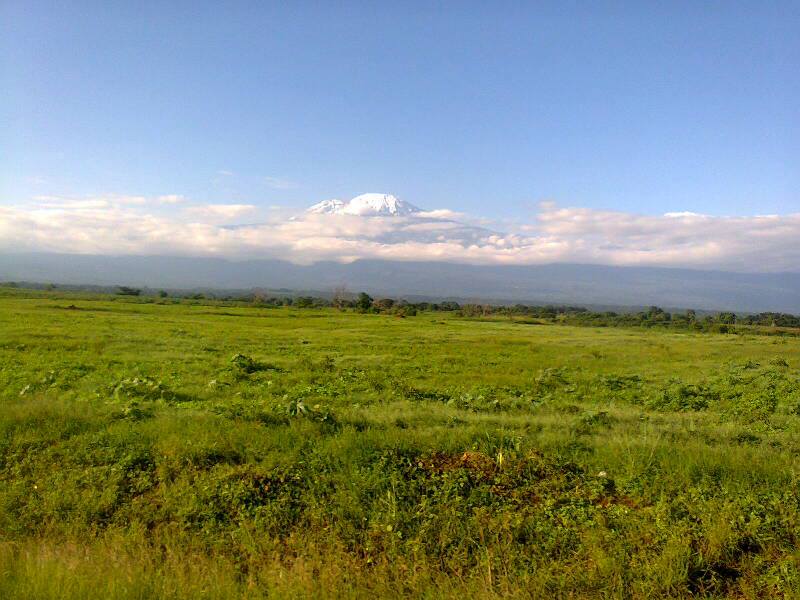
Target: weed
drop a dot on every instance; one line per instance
(431, 457)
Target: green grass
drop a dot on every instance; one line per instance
(197, 450)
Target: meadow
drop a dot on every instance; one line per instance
(197, 450)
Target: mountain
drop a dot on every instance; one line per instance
(533, 284)
(366, 205)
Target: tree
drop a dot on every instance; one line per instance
(304, 302)
(162, 294)
(364, 302)
(128, 291)
(340, 295)
(656, 313)
(384, 303)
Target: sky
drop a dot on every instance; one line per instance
(133, 127)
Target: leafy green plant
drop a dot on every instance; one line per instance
(144, 388)
(683, 396)
(442, 456)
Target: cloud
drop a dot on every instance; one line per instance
(145, 225)
(442, 213)
(105, 200)
(217, 212)
(66, 204)
(684, 213)
(171, 199)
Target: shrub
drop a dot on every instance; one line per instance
(243, 365)
(144, 388)
(683, 396)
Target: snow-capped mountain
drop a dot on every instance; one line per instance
(418, 226)
(366, 205)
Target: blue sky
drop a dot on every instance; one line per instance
(486, 108)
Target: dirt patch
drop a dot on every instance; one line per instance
(475, 462)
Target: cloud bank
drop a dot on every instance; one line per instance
(172, 225)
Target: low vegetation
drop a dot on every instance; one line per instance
(764, 323)
(190, 449)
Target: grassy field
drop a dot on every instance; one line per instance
(192, 450)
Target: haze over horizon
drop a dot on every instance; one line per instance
(630, 136)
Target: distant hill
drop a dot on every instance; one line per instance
(535, 284)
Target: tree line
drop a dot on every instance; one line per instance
(653, 316)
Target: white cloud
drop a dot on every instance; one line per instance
(135, 225)
(56, 203)
(442, 213)
(217, 212)
(171, 199)
(683, 214)
(105, 200)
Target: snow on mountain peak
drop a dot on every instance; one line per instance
(378, 204)
(366, 205)
(326, 207)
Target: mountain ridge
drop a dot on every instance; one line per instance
(365, 205)
(541, 284)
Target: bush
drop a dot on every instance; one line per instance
(683, 396)
(243, 365)
(144, 388)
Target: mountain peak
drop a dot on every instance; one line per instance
(366, 205)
